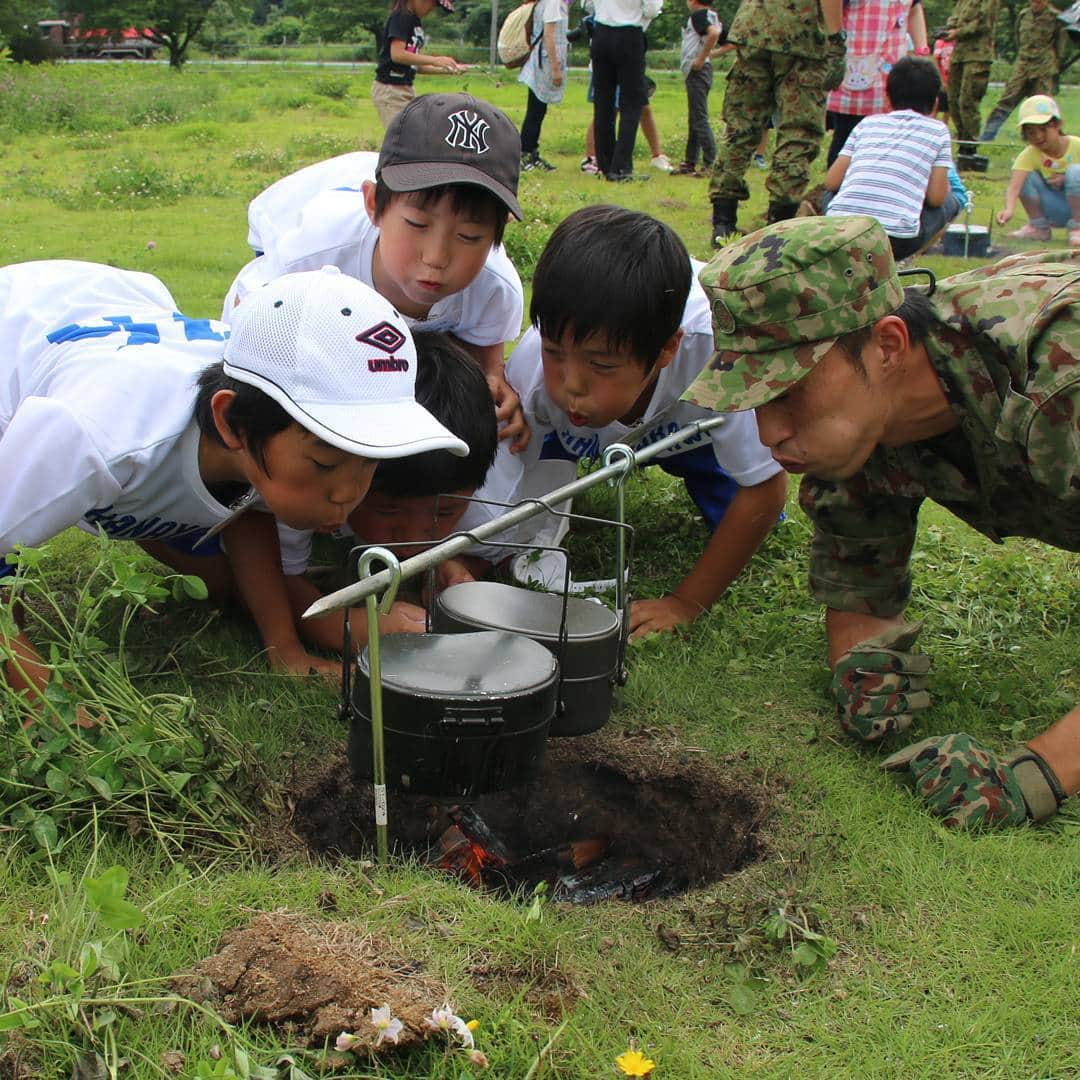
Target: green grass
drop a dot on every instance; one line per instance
(956, 953)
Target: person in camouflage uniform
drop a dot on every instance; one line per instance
(969, 396)
(971, 27)
(790, 53)
(1041, 44)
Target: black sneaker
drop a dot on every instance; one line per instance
(542, 163)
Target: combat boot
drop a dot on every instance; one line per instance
(993, 125)
(723, 220)
(780, 210)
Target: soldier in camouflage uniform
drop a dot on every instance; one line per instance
(971, 26)
(1041, 44)
(790, 53)
(969, 396)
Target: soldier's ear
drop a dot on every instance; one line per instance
(892, 338)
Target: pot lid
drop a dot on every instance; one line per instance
(524, 611)
(489, 662)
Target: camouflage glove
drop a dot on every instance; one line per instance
(969, 786)
(835, 64)
(878, 684)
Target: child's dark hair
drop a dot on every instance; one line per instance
(913, 83)
(253, 415)
(452, 387)
(469, 200)
(613, 272)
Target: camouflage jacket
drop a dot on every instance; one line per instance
(973, 21)
(1005, 344)
(793, 27)
(1041, 41)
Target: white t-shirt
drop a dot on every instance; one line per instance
(277, 208)
(331, 227)
(708, 463)
(892, 155)
(97, 393)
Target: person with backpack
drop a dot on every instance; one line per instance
(544, 75)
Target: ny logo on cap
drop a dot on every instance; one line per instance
(383, 336)
(468, 131)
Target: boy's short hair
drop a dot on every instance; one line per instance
(253, 415)
(471, 202)
(451, 386)
(613, 272)
(913, 83)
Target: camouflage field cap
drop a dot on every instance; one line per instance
(782, 296)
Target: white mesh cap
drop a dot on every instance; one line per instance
(339, 359)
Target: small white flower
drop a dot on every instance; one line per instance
(345, 1042)
(389, 1027)
(445, 1020)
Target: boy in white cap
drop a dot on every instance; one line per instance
(119, 414)
(422, 223)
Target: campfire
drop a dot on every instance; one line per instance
(576, 872)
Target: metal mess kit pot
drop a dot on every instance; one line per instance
(468, 711)
(463, 714)
(583, 634)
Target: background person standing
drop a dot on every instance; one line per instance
(1041, 44)
(789, 54)
(971, 26)
(618, 63)
(544, 74)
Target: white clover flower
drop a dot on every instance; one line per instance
(445, 1020)
(389, 1027)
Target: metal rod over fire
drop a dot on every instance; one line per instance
(619, 460)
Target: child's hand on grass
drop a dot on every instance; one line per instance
(403, 618)
(300, 662)
(656, 616)
(1003, 216)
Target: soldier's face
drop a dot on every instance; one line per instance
(1038, 5)
(830, 422)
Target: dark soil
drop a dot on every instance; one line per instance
(313, 980)
(659, 803)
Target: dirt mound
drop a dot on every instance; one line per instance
(313, 980)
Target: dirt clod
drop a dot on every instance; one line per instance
(315, 979)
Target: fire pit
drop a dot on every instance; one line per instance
(609, 817)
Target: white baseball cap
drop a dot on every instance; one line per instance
(339, 359)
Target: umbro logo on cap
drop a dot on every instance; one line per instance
(383, 336)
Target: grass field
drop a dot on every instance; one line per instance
(931, 954)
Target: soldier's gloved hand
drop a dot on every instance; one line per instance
(835, 64)
(968, 786)
(879, 684)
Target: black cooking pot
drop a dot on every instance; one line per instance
(463, 714)
(589, 657)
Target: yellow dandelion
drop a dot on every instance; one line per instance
(635, 1063)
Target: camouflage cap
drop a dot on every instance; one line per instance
(782, 296)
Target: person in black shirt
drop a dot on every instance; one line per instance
(400, 59)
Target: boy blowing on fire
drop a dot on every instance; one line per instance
(620, 329)
(120, 415)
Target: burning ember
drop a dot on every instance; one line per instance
(577, 872)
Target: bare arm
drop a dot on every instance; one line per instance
(553, 59)
(1012, 194)
(916, 26)
(837, 171)
(832, 14)
(752, 514)
(937, 187)
(255, 558)
(843, 629)
(712, 36)
(428, 65)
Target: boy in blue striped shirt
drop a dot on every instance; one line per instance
(895, 166)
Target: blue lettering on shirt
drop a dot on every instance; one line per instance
(127, 526)
(198, 329)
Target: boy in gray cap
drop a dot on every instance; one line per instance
(967, 395)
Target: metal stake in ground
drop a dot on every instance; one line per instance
(378, 757)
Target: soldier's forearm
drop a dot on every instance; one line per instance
(1059, 747)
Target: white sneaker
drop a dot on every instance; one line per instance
(661, 162)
